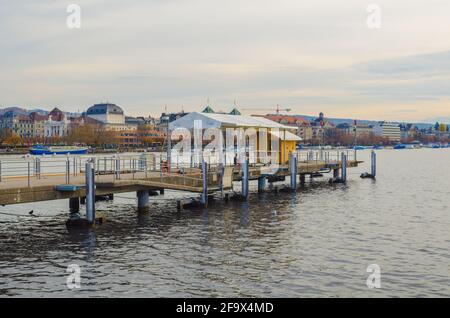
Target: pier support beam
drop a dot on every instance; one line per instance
(245, 178)
(261, 184)
(90, 193)
(293, 170)
(302, 180)
(143, 200)
(335, 173)
(74, 208)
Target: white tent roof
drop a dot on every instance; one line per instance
(285, 135)
(224, 120)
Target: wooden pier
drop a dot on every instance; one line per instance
(145, 173)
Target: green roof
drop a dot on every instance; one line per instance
(235, 111)
(208, 110)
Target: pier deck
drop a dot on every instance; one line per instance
(22, 189)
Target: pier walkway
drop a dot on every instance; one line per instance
(33, 179)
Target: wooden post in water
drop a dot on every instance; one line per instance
(90, 193)
(374, 164)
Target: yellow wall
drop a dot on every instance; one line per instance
(286, 147)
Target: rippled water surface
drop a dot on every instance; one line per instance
(316, 242)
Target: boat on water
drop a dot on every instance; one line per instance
(407, 146)
(400, 146)
(58, 150)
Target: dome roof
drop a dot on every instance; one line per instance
(100, 109)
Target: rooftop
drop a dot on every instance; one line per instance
(101, 109)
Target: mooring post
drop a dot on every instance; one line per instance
(261, 184)
(90, 192)
(204, 195)
(245, 178)
(67, 169)
(143, 199)
(374, 164)
(344, 167)
(117, 167)
(293, 170)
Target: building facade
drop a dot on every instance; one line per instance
(304, 131)
(388, 130)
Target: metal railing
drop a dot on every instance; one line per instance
(143, 165)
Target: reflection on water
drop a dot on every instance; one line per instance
(316, 242)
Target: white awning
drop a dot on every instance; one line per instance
(285, 135)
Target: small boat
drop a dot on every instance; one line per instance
(58, 150)
(400, 146)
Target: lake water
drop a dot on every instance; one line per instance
(317, 242)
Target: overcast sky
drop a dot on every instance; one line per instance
(310, 56)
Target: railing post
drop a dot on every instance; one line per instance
(38, 167)
(67, 170)
(117, 167)
(29, 176)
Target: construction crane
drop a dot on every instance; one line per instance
(278, 109)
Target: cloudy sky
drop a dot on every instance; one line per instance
(311, 56)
